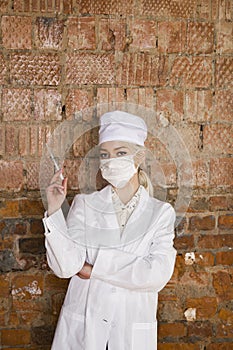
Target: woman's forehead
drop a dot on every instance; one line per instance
(114, 145)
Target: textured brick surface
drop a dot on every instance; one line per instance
(11, 175)
(81, 33)
(105, 6)
(180, 9)
(30, 69)
(199, 105)
(218, 138)
(171, 37)
(220, 170)
(224, 37)
(77, 100)
(195, 72)
(112, 34)
(16, 104)
(90, 68)
(16, 32)
(142, 69)
(3, 69)
(143, 35)
(200, 38)
(223, 105)
(170, 103)
(224, 72)
(49, 33)
(48, 104)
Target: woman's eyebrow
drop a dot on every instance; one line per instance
(117, 148)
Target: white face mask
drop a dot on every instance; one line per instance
(118, 171)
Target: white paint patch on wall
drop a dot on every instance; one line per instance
(31, 288)
(189, 258)
(190, 314)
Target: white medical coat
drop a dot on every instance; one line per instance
(118, 303)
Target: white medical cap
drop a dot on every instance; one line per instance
(122, 126)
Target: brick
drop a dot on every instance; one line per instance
(171, 37)
(224, 330)
(13, 337)
(30, 318)
(9, 209)
(143, 35)
(16, 32)
(198, 204)
(3, 70)
(191, 72)
(170, 310)
(107, 97)
(185, 242)
(27, 287)
(200, 329)
(222, 283)
(2, 140)
(42, 335)
(171, 330)
(16, 104)
(200, 38)
(81, 33)
(77, 100)
(222, 10)
(205, 259)
(32, 245)
(55, 284)
(225, 221)
(31, 69)
(214, 241)
(142, 69)
(30, 208)
(3, 5)
(4, 286)
(48, 104)
(199, 105)
(177, 9)
(112, 34)
(49, 33)
(11, 140)
(223, 101)
(106, 7)
(139, 96)
(11, 175)
(189, 134)
(36, 227)
(206, 307)
(218, 139)
(224, 258)
(43, 6)
(171, 103)
(23, 141)
(224, 37)
(224, 72)
(226, 316)
(178, 346)
(87, 68)
(218, 203)
(220, 170)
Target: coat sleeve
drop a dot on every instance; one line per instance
(65, 256)
(144, 273)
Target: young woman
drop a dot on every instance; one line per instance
(116, 244)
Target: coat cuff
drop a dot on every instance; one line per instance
(54, 221)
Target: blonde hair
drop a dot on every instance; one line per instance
(143, 178)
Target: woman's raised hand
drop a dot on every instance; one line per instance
(56, 192)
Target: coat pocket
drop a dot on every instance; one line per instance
(144, 336)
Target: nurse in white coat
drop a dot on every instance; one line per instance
(116, 244)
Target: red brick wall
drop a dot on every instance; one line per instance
(173, 56)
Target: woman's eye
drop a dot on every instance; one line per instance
(121, 153)
(103, 155)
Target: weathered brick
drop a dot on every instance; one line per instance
(4, 286)
(218, 203)
(226, 316)
(30, 208)
(218, 139)
(16, 104)
(225, 221)
(9, 209)
(14, 337)
(171, 330)
(142, 34)
(171, 37)
(191, 72)
(214, 241)
(222, 283)
(224, 330)
(178, 346)
(49, 33)
(205, 259)
(2, 140)
(3, 5)
(106, 7)
(63, 6)
(170, 102)
(199, 105)
(42, 335)
(223, 105)
(198, 204)
(158, 8)
(200, 329)
(142, 69)
(11, 140)
(184, 242)
(81, 33)
(220, 170)
(138, 96)
(224, 72)
(32, 245)
(112, 34)
(224, 258)
(3, 69)
(200, 37)
(224, 37)
(11, 175)
(32, 69)
(87, 68)
(55, 284)
(16, 32)
(77, 100)
(48, 104)
(36, 227)
(206, 307)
